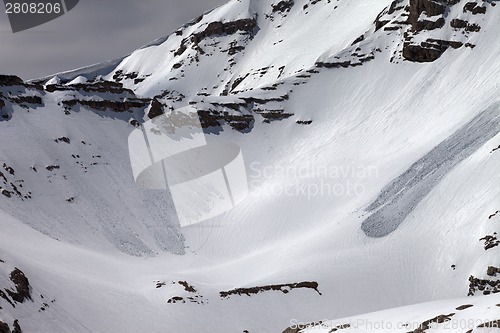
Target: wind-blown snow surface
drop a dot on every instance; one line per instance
(410, 142)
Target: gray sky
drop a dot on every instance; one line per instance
(94, 31)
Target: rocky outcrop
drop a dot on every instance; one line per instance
(225, 28)
(358, 60)
(490, 241)
(474, 8)
(120, 76)
(426, 16)
(430, 8)
(155, 110)
(92, 87)
(283, 6)
(10, 80)
(284, 288)
(493, 271)
(116, 106)
(484, 286)
(409, 20)
(4, 328)
(467, 26)
(16, 294)
(498, 211)
(17, 327)
(428, 51)
(34, 100)
(192, 295)
(22, 285)
(432, 11)
(10, 185)
(215, 119)
(247, 26)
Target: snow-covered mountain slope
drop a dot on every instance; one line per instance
(458, 315)
(370, 132)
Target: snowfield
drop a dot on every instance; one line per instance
(370, 138)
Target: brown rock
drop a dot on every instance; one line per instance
(283, 6)
(17, 327)
(156, 109)
(431, 8)
(474, 8)
(4, 328)
(428, 51)
(227, 28)
(492, 271)
(10, 80)
(22, 284)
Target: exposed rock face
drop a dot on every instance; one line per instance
(116, 106)
(194, 297)
(14, 297)
(284, 288)
(27, 100)
(493, 271)
(408, 19)
(427, 15)
(92, 87)
(489, 285)
(176, 299)
(431, 49)
(215, 119)
(17, 327)
(4, 328)
(357, 60)
(462, 24)
(428, 51)
(484, 286)
(156, 109)
(430, 7)
(228, 28)
(283, 6)
(247, 26)
(16, 92)
(22, 284)
(112, 96)
(10, 80)
(490, 241)
(474, 8)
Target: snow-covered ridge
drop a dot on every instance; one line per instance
(249, 48)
